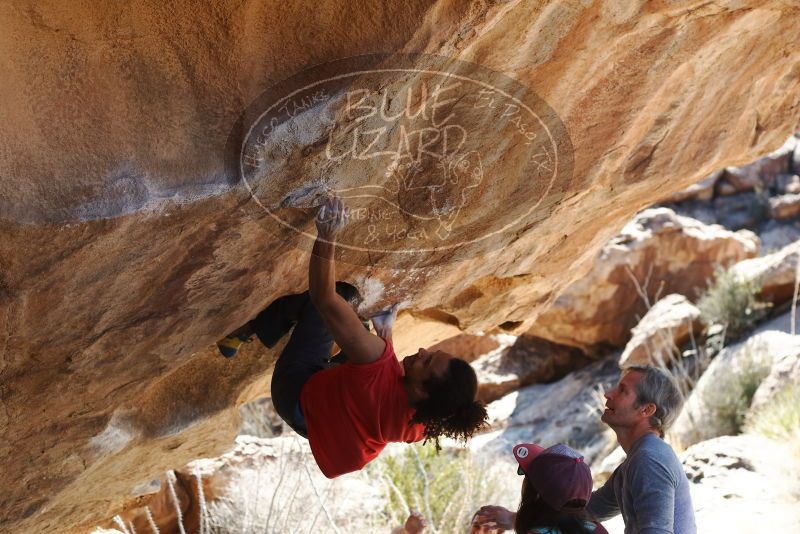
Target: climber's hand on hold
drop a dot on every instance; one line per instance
(384, 321)
(331, 218)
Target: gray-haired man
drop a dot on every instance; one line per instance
(649, 488)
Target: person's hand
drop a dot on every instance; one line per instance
(496, 517)
(384, 321)
(415, 523)
(331, 218)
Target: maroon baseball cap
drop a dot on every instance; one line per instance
(557, 473)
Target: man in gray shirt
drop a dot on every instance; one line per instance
(649, 488)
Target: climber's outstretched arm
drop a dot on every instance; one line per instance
(342, 321)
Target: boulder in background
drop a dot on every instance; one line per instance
(528, 360)
(657, 253)
(718, 404)
(760, 174)
(785, 373)
(738, 486)
(702, 190)
(776, 272)
(567, 410)
(671, 322)
(785, 206)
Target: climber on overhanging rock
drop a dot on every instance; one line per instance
(349, 411)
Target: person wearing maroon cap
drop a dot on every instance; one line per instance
(555, 491)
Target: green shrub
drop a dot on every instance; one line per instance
(447, 488)
(283, 492)
(779, 419)
(731, 302)
(729, 399)
(274, 487)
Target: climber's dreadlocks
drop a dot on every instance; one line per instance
(451, 409)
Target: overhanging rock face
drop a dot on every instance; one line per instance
(130, 243)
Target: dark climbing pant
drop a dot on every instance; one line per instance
(307, 352)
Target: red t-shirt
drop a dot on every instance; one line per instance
(352, 411)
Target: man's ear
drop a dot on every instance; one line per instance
(648, 409)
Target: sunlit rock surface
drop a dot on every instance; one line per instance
(523, 361)
(567, 410)
(739, 487)
(712, 408)
(776, 273)
(657, 253)
(128, 247)
(657, 338)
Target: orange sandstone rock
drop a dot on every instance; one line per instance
(128, 247)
